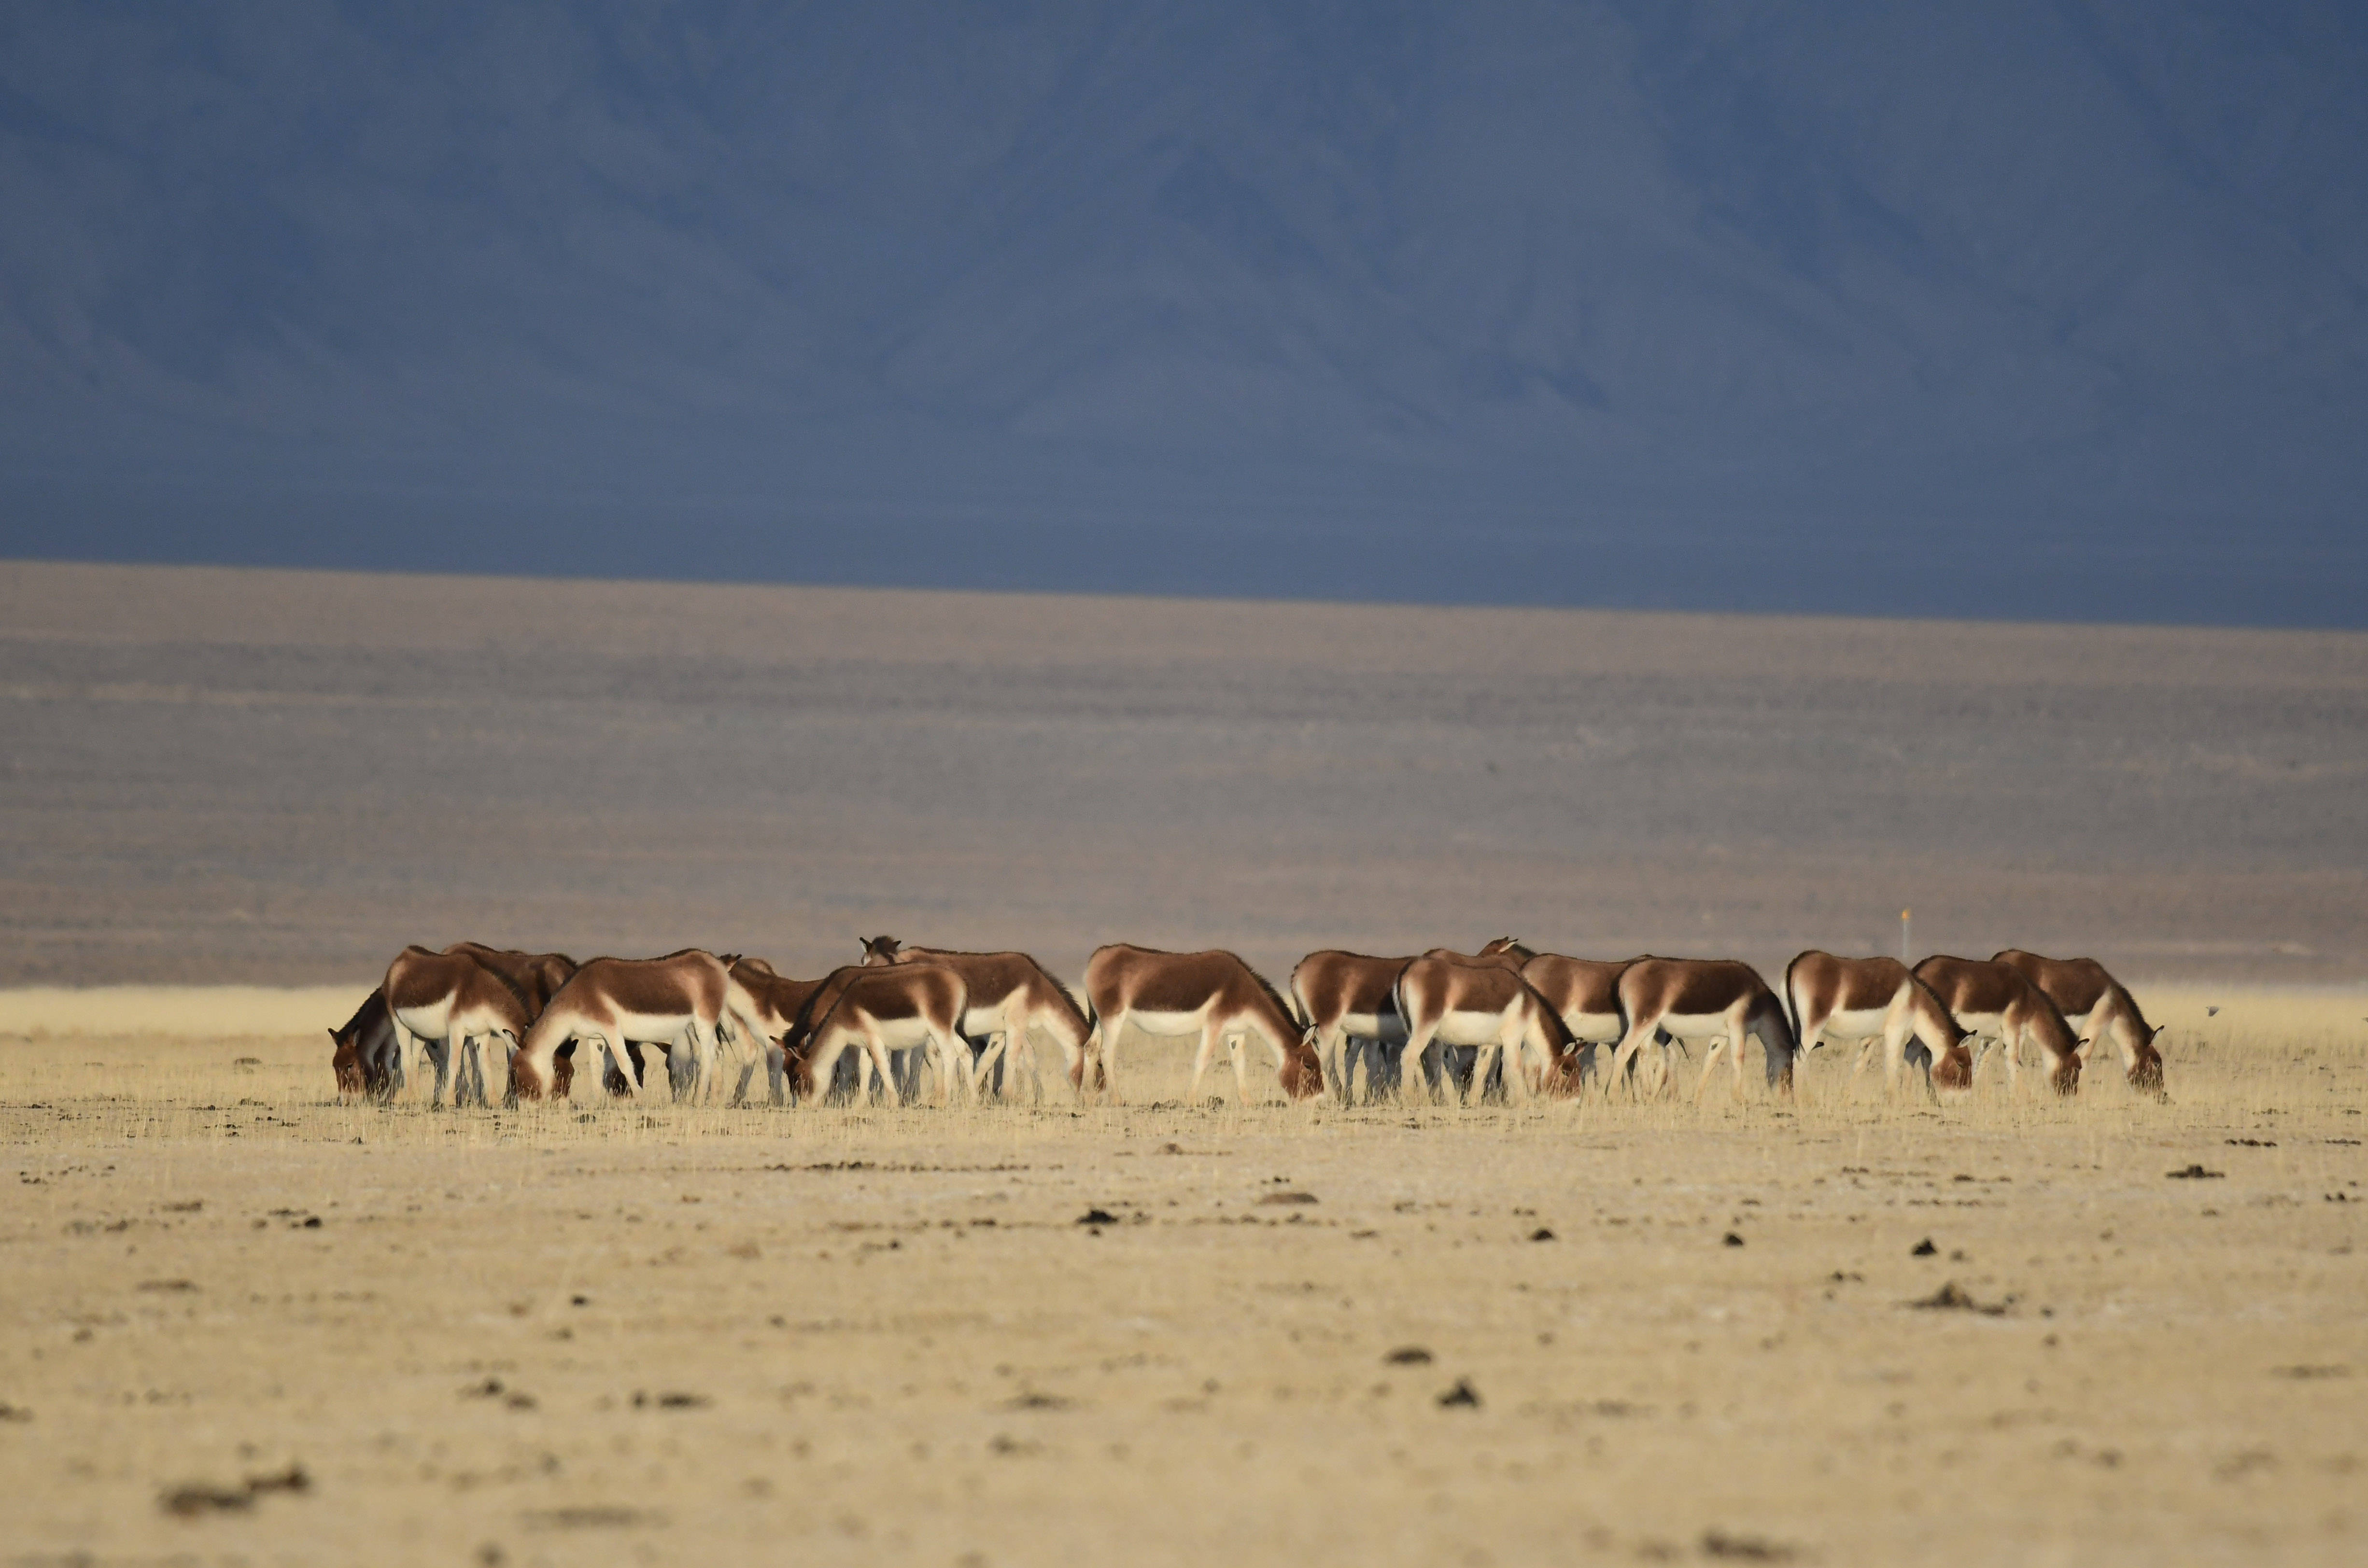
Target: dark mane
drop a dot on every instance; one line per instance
(1271, 994)
(525, 1005)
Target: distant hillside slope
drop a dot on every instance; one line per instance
(2024, 309)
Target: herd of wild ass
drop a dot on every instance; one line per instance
(503, 1024)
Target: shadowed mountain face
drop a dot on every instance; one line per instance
(2023, 309)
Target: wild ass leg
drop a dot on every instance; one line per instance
(1331, 1053)
(1108, 1029)
(1241, 1070)
(1208, 1048)
(1624, 1058)
(1710, 1065)
(1414, 1071)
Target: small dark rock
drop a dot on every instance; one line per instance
(1409, 1356)
(1287, 1197)
(2195, 1172)
(295, 1478)
(192, 1502)
(1462, 1397)
(1733, 1240)
(1541, 1235)
(1953, 1297)
(1033, 1401)
(1097, 1217)
(1923, 1249)
(1745, 1547)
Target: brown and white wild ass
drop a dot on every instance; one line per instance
(1585, 992)
(1718, 1000)
(1487, 1006)
(462, 1013)
(2095, 1004)
(1877, 1001)
(1461, 1060)
(367, 1060)
(1350, 1001)
(779, 1002)
(1994, 1001)
(537, 977)
(680, 1001)
(879, 1010)
(1010, 995)
(901, 1069)
(1213, 994)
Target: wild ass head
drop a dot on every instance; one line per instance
(1301, 1073)
(878, 950)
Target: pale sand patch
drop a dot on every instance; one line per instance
(177, 1011)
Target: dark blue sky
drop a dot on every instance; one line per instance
(2023, 309)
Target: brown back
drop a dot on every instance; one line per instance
(536, 977)
(1499, 952)
(2074, 985)
(1331, 982)
(1576, 985)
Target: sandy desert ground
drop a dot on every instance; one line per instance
(653, 1333)
(695, 1335)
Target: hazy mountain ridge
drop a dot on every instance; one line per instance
(1813, 283)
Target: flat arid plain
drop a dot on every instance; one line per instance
(249, 1323)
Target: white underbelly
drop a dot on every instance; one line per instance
(1857, 1023)
(646, 1028)
(1992, 1024)
(1167, 1023)
(433, 1021)
(1373, 1025)
(1596, 1029)
(979, 1022)
(1693, 1025)
(1472, 1029)
(901, 1034)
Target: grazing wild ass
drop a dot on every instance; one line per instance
(1877, 1001)
(460, 1011)
(367, 1060)
(878, 1010)
(779, 1002)
(1995, 1002)
(1213, 994)
(537, 977)
(680, 1001)
(1350, 1001)
(2095, 1004)
(1010, 994)
(1487, 1006)
(1585, 992)
(1715, 999)
(899, 1071)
